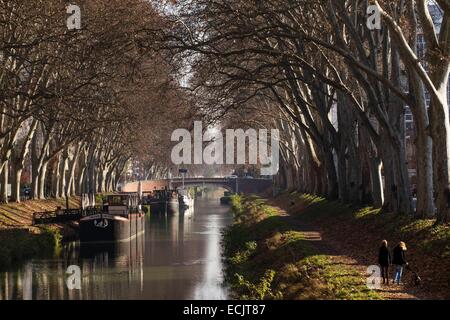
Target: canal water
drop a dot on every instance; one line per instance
(178, 257)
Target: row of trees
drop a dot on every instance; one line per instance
(79, 105)
(337, 90)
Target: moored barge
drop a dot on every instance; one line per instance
(162, 201)
(121, 219)
(184, 198)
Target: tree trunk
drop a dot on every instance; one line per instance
(342, 175)
(423, 150)
(333, 190)
(42, 180)
(72, 166)
(56, 177)
(376, 181)
(18, 162)
(15, 185)
(4, 182)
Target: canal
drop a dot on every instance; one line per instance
(178, 257)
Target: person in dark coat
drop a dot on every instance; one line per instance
(384, 260)
(399, 260)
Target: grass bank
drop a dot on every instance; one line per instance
(268, 257)
(20, 240)
(359, 232)
(19, 244)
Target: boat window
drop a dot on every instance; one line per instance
(117, 201)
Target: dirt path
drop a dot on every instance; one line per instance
(341, 255)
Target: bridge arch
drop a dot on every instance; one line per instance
(178, 184)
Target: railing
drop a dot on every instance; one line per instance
(63, 215)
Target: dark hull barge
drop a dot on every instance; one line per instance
(121, 220)
(162, 201)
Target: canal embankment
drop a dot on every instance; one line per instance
(271, 256)
(20, 240)
(299, 246)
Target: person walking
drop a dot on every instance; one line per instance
(384, 260)
(399, 260)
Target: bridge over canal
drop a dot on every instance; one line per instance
(244, 185)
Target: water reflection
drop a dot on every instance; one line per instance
(179, 257)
